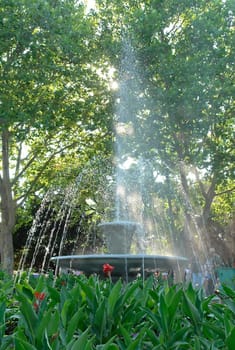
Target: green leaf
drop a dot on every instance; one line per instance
(180, 334)
(113, 298)
(230, 341)
(126, 335)
(23, 345)
(229, 292)
(2, 320)
(129, 292)
(89, 294)
(164, 315)
(173, 306)
(41, 329)
(73, 323)
(65, 312)
(81, 342)
(54, 295)
(53, 326)
(28, 313)
(100, 320)
(134, 345)
(108, 346)
(191, 311)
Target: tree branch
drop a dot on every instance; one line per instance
(20, 200)
(226, 191)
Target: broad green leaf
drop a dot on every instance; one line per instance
(100, 320)
(229, 292)
(126, 335)
(164, 315)
(180, 334)
(67, 310)
(230, 341)
(2, 319)
(153, 337)
(113, 298)
(23, 345)
(89, 295)
(54, 295)
(81, 342)
(109, 345)
(41, 328)
(228, 323)
(28, 313)
(73, 323)
(135, 345)
(174, 305)
(191, 311)
(53, 326)
(129, 292)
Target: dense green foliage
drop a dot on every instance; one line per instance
(72, 312)
(57, 107)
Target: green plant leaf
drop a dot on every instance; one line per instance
(192, 312)
(129, 292)
(23, 345)
(65, 312)
(41, 329)
(173, 306)
(229, 292)
(100, 320)
(108, 346)
(29, 316)
(54, 295)
(126, 335)
(74, 323)
(164, 315)
(82, 342)
(53, 326)
(89, 295)
(2, 320)
(113, 298)
(230, 341)
(135, 345)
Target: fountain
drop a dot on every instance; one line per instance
(119, 236)
(125, 235)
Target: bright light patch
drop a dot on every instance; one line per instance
(128, 163)
(124, 129)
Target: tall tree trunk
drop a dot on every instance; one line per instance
(8, 209)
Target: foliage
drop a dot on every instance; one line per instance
(185, 58)
(54, 104)
(72, 312)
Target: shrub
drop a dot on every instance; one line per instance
(75, 312)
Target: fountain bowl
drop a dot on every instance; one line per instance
(126, 266)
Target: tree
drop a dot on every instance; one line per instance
(53, 102)
(187, 51)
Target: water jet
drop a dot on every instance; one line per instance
(125, 234)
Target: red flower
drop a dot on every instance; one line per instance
(107, 269)
(35, 306)
(39, 296)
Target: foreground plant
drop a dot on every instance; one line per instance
(75, 312)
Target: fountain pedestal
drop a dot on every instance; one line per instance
(119, 235)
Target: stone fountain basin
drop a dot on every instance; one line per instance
(124, 264)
